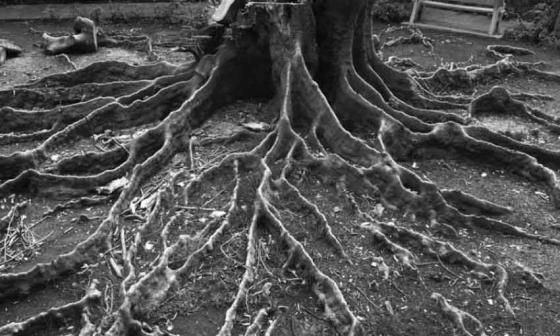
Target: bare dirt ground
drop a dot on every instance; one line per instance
(388, 298)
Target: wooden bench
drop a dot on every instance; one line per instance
(462, 16)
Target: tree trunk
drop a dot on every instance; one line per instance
(314, 61)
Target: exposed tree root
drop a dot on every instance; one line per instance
(133, 42)
(531, 96)
(56, 317)
(16, 120)
(471, 205)
(459, 139)
(324, 227)
(343, 115)
(458, 317)
(335, 307)
(469, 77)
(439, 250)
(12, 217)
(88, 250)
(258, 323)
(79, 203)
(48, 98)
(416, 37)
(104, 72)
(405, 63)
(143, 294)
(500, 51)
(392, 84)
(499, 101)
(248, 277)
(113, 115)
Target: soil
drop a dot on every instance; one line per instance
(389, 301)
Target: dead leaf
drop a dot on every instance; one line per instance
(149, 246)
(217, 214)
(147, 202)
(256, 126)
(389, 307)
(113, 186)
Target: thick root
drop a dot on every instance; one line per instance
(467, 78)
(104, 72)
(470, 204)
(110, 116)
(444, 251)
(499, 101)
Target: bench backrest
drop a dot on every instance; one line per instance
(478, 3)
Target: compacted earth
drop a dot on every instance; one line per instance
(386, 296)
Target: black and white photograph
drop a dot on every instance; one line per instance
(280, 168)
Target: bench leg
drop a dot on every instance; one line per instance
(496, 17)
(494, 25)
(415, 11)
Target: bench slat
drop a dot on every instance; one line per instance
(479, 3)
(486, 3)
(458, 7)
(455, 30)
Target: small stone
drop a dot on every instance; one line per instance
(256, 126)
(389, 307)
(217, 214)
(169, 325)
(266, 288)
(379, 209)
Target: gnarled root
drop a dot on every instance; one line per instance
(499, 101)
(440, 250)
(415, 37)
(469, 77)
(458, 317)
(56, 317)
